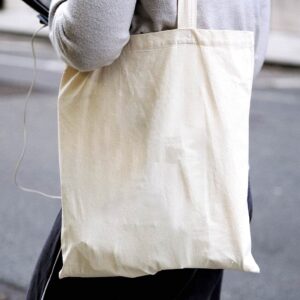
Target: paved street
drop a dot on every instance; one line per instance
(26, 218)
(275, 177)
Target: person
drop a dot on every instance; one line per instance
(88, 35)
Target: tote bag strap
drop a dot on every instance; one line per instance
(187, 14)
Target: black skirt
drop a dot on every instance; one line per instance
(179, 284)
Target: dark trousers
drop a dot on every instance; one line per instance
(179, 284)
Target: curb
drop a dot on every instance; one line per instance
(283, 48)
(27, 23)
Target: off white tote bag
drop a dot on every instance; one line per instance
(153, 155)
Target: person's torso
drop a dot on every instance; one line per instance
(252, 15)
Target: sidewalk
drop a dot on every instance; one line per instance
(284, 48)
(20, 20)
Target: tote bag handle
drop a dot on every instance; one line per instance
(187, 14)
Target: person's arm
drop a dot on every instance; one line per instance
(262, 33)
(90, 34)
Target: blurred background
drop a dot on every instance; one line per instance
(26, 218)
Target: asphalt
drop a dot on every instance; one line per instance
(26, 218)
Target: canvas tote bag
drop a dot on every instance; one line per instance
(153, 155)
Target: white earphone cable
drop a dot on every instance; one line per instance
(24, 124)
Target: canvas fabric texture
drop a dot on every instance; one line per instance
(154, 155)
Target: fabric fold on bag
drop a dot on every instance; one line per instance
(154, 155)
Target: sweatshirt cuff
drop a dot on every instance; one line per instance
(52, 9)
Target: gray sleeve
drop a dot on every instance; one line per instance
(262, 33)
(90, 34)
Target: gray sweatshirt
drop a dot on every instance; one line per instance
(89, 34)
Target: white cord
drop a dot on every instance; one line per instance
(24, 124)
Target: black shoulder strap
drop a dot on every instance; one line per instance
(41, 8)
